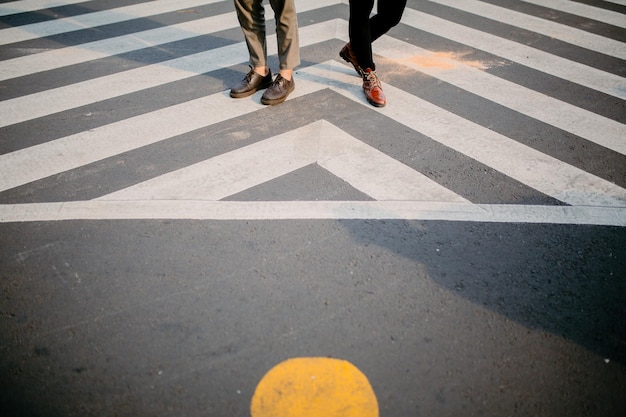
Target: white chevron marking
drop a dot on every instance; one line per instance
(533, 168)
(94, 19)
(544, 173)
(365, 168)
(122, 14)
(584, 10)
(588, 125)
(40, 161)
(59, 58)
(533, 58)
(542, 26)
(403, 192)
(68, 97)
(22, 6)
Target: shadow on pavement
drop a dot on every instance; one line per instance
(564, 279)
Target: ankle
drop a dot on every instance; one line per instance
(286, 74)
(262, 71)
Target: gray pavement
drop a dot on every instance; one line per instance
(163, 246)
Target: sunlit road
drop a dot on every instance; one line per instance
(163, 246)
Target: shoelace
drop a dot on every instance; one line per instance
(371, 78)
(250, 74)
(280, 81)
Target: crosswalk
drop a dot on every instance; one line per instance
(523, 113)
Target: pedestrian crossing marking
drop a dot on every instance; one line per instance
(56, 156)
(538, 170)
(566, 69)
(583, 123)
(137, 11)
(95, 19)
(23, 6)
(544, 27)
(546, 174)
(585, 10)
(365, 168)
(398, 190)
(50, 158)
(541, 172)
(21, 109)
(62, 57)
(48, 102)
(586, 124)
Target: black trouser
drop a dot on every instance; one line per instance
(364, 30)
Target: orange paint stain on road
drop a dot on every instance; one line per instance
(314, 387)
(442, 61)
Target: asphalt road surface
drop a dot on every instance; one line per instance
(163, 246)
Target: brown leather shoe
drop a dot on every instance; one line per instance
(278, 91)
(348, 55)
(252, 83)
(373, 88)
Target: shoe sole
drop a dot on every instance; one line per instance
(375, 104)
(272, 102)
(249, 93)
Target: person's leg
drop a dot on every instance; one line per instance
(388, 15)
(251, 15)
(288, 51)
(359, 32)
(252, 21)
(287, 36)
(360, 48)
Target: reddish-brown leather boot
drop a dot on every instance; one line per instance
(373, 88)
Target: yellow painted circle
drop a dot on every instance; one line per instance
(314, 387)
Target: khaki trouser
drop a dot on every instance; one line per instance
(251, 16)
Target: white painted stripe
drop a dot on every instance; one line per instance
(375, 173)
(537, 170)
(563, 68)
(365, 168)
(95, 19)
(22, 6)
(68, 97)
(554, 30)
(588, 125)
(308, 210)
(231, 172)
(533, 168)
(48, 102)
(40, 161)
(58, 58)
(583, 10)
